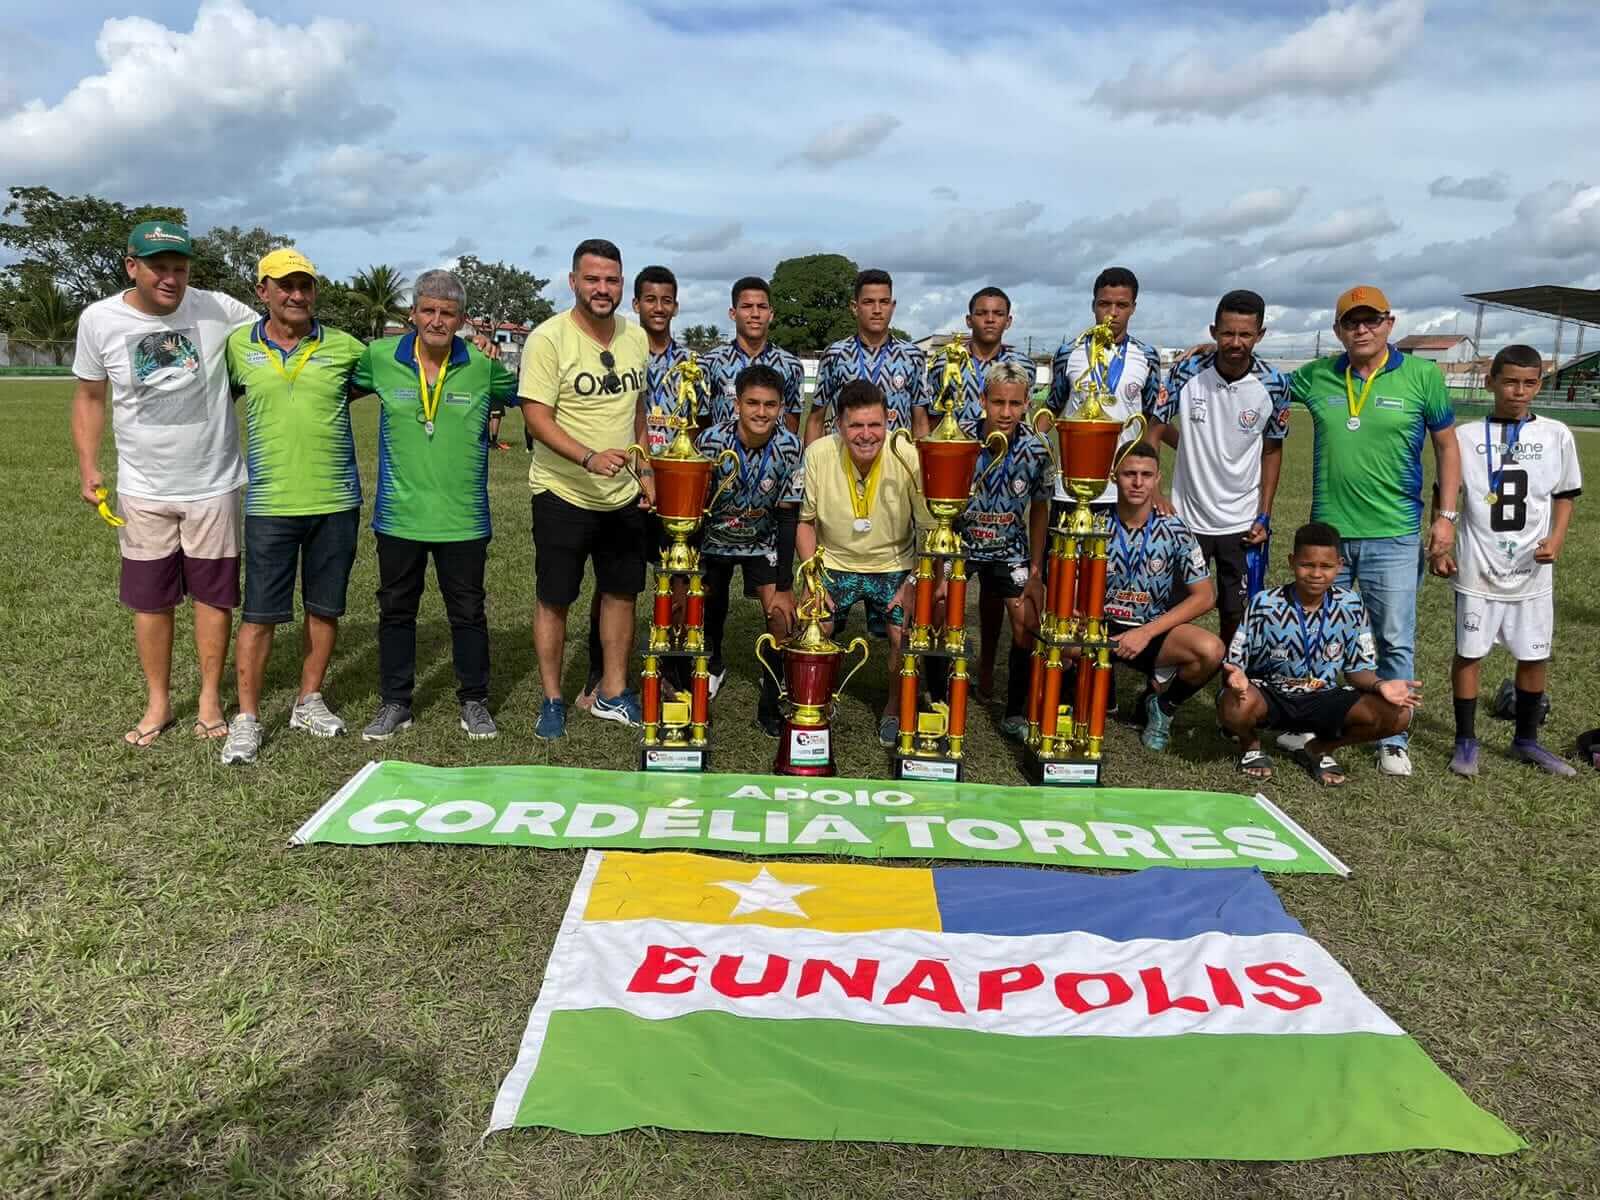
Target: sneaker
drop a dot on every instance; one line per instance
(717, 680)
(1531, 753)
(1015, 727)
(888, 731)
(1465, 761)
(622, 708)
(552, 722)
(244, 741)
(1394, 760)
(391, 719)
(314, 716)
(476, 721)
(1157, 725)
(1293, 741)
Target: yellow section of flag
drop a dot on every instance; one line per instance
(720, 891)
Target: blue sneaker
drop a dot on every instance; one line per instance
(1157, 724)
(552, 720)
(1465, 760)
(623, 708)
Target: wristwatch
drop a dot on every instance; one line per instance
(1450, 514)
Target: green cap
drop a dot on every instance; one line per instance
(159, 237)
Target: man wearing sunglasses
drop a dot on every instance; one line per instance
(582, 391)
(1369, 409)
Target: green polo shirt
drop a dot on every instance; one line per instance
(432, 489)
(298, 445)
(1367, 482)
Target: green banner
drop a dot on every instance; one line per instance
(555, 807)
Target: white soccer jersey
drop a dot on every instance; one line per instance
(1494, 552)
(1136, 373)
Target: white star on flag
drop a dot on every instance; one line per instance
(766, 893)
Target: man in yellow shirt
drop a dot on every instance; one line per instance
(582, 391)
(861, 506)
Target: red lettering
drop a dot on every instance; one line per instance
(1160, 1000)
(928, 980)
(1224, 988)
(857, 984)
(661, 961)
(1271, 975)
(995, 986)
(1069, 987)
(725, 976)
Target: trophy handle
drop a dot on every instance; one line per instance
(1143, 423)
(760, 658)
(851, 649)
(894, 447)
(727, 480)
(996, 457)
(628, 463)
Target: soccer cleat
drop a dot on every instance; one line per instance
(552, 722)
(1536, 755)
(718, 678)
(244, 741)
(1015, 727)
(391, 719)
(1394, 760)
(1465, 761)
(1157, 724)
(888, 731)
(476, 721)
(314, 716)
(622, 708)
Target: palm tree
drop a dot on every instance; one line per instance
(382, 291)
(45, 318)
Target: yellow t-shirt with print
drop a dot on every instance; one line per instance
(561, 368)
(891, 543)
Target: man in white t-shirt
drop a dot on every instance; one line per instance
(159, 351)
(1235, 414)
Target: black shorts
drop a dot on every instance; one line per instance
(321, 548)
(1322, 712)
(1145, 664)
(1226, 550)
(718, 569)
(565, 536)
(1000, 576)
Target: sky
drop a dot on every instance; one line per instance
(1293, 147)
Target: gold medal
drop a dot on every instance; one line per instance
(1493, 498)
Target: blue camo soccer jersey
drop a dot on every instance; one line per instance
(995, 525)
(744, 520)
(897, 367)
(723, 365)
(1279, 643)
(969, 400)
(1145, 564)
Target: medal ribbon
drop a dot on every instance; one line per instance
(1495, 476)
(1120, 538)
(762, 463)
(1312, 650)
(430, 403)
(1354, 405)
(861, 495)
(310, 345)
(876, 368)
(1113, 371)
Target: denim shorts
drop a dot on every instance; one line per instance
(322, 548)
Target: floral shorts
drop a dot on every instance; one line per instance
(876, 591)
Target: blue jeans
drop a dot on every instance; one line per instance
(1388, 572)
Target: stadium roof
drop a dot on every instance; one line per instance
(1546, 300)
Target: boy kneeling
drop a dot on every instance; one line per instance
(1283, 666)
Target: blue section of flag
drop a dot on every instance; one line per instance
(1158, 902)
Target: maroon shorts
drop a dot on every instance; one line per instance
(177, 548)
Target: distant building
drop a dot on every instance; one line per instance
(1440, 348)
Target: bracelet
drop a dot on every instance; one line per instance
(585, 463)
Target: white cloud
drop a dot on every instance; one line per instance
(1474, 187)
(848, 139)
(462, 245)
(1348, 50)
(705, 242)
(587, 145)
(1346, 227)
(1248, 212)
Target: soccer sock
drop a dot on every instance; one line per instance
(1528, 715)
(1466, 719)
(1019, 670)
(1177, 692)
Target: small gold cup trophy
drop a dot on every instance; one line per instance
(929, 745)
(1065, 740)
(806, 690)
(677, 733)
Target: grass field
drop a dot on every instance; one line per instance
(187, 1007)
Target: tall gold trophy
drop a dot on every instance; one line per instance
(1065, 740)
(929, 745)
(677, 733)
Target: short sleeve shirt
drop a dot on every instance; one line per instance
(723, 365)
(1367, 482)
(299, 449)
(172, 416)
(898, 367)
(1144, 566)
(661, 396)
(1133, 380)
(969, 399)
(744, 519)
(596, 405)
(1278, 643)
(890, 545)
(432, 489)
(995, 526)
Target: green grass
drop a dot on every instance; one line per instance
(189, 1008)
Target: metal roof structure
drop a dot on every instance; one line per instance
(1579, 305)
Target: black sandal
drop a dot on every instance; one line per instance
(1252, 761)
(1322, 768)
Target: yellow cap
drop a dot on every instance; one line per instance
(284, 262)
(1361, 296)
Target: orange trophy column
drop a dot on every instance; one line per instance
(1098, 666)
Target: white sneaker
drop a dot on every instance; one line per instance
(314, 716)
(1394, 760)
(244, 741)
(717, 682)
(1293, 741)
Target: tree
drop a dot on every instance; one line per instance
(225, 259)
(500, 293)
(811, 301)
(339, 305)
(381, 291)
(76, 242)
(41, 316)
(701, 338)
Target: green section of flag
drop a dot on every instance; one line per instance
(1241, 1096)
(555, 807)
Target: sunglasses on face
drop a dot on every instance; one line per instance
(1352, 324)
(610, 382)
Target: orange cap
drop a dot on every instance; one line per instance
(1361, 296)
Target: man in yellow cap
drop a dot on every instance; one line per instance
(303, 507)
(1370, 408)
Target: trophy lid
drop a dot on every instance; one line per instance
(682, 447)
(956, 359)
(1100, 344)
(811, 579)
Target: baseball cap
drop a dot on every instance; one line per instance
(1361, 296)
(159, 237)
(284, 262)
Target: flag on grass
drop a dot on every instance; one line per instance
(1167, 1013)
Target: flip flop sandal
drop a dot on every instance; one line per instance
(1322, 768)
(143, 739)
(1255, 760)
(207, 733)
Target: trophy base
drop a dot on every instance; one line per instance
(674, 760)
(805, 750)
(927, 768)
(1064, 772)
